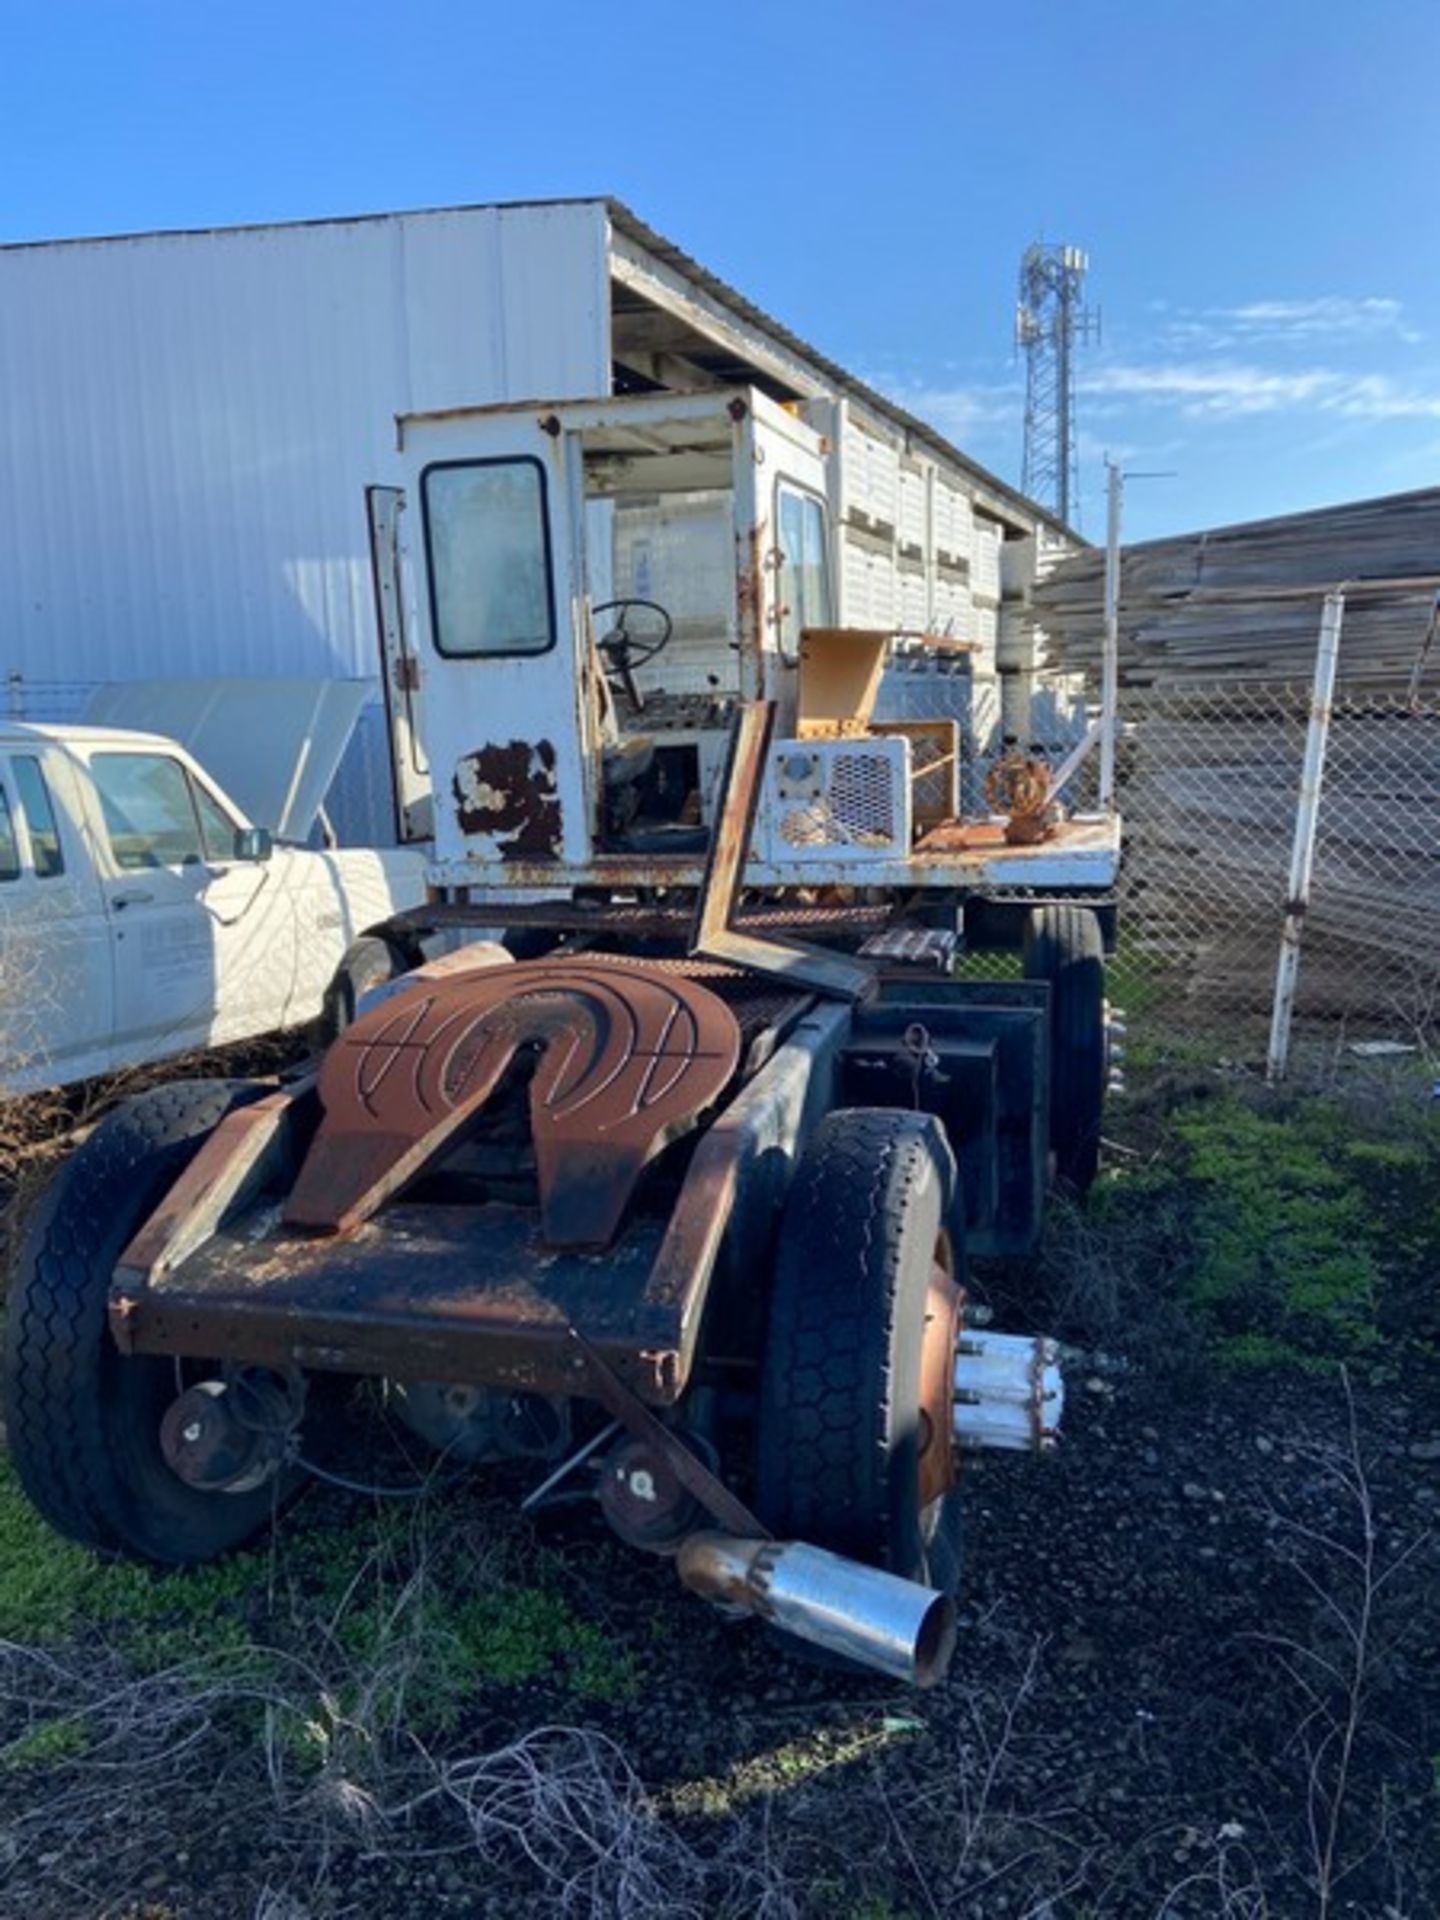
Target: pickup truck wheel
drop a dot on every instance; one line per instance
(84, 1420)
(369, 962)
(1063, 947)
(849, 1456)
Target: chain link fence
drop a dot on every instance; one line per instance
(1208, 782)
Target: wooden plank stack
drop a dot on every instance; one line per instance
(1242, 603)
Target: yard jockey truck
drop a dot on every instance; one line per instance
(651, 1149)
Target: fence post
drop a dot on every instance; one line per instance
(1307, 817)
(1110, 658)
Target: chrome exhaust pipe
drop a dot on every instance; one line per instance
(894, 1626)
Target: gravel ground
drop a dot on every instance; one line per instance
(1145, 1717)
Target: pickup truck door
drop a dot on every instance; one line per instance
(204, 945)
(56, 986)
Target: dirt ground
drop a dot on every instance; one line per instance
(1198, 1675)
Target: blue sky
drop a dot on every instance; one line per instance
(1256, 185)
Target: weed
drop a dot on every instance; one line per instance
(47, 1743)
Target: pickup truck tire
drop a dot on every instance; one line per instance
(84, 1419)
(369, 962)
(1063, 947)
(873, 1202)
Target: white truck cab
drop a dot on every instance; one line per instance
(576, 600)
(141, 914)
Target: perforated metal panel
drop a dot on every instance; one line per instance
(836, 800)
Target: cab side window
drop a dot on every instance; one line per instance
(149, 814)
(9, 846)
(45, 851)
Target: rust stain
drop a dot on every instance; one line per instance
(750, 608)
(508, 794)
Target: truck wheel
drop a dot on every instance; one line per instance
(1063, 947)
(369, 962)
(84, 1420)
(848, 1455)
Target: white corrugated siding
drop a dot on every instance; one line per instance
(985, 561)
(190, 421)
(912, 528)
(985, 630)
(950, 608)
(871, 598)
(914, 599)
(871, 478)
(954, 522)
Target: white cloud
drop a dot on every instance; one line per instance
(1331, 316)
(965, 413)
(1233, 389)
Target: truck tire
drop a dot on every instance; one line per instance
(369, 962)
(83, 1419)
(1063, 947)
(874, 1202)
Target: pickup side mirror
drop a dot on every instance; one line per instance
(253, 843)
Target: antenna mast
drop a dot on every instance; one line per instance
(1051, 320)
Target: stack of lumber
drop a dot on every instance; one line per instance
(1242, 603)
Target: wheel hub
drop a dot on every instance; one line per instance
(944, 1319)
(230, 1436)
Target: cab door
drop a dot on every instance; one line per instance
(784, 548)
(491, 539)
(197, 957)
(399, 669)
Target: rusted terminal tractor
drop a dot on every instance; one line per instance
(652, 1151)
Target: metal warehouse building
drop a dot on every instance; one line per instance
(191, 420)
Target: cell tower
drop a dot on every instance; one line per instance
(1050, 322)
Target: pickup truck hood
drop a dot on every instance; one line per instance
(273, 744)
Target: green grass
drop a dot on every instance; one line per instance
(396, 1619)
(1295, 1236)
(46, 1743)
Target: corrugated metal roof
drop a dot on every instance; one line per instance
(844, 382)
(668, 254)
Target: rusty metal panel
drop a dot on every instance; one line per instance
(446, 1293)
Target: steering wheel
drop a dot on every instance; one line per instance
(623, 651)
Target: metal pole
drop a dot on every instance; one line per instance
(1110, 677)
(1307, 819)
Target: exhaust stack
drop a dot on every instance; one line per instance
(894, 1626)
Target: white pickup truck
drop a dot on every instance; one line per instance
(141, 914)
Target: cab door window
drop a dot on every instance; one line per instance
(804, 587)
(149, 812)
(487, 539)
